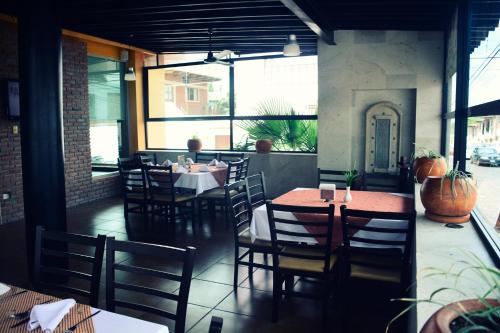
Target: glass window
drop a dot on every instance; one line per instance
(284, 85)
(108, 127)
(200, 90)
(169, 93)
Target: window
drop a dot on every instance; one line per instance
(108, 126)
(192, 94)
(229, 108)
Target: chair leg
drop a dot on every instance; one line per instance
(326, 299)
(277, 285)
(289, 281)
(125, 210)
(250, 267)
(193, 217)
(236, 262)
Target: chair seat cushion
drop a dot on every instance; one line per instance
(245, 237)
(178, 198)
(135, 196)
(385, 267)
(308, 265)
(216, 193)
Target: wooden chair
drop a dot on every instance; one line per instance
(299, 253)
(244, 169)
(217, 196)
(216, 325)
(185, 257)
(163, 195)
(256, 189)
(134, 188)
(146, 158)
(55, 255)
(379, 250)
(380, 182)
(231, 157)
(240, 211)
(332, 177)
(205, 157)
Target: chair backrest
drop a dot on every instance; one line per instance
(145, 158)
(56, 253)
(256, 189)
(216, 325)
(233, 171)
(132, 177)
(380, 182)
(239, 207)
(153, 252)
(205, 157)
(244, 168)
(160, 182)
(380, 233)
(295, 229)
(332, 177)
(231, 157)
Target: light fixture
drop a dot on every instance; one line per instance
(129, 75)
(292, 48)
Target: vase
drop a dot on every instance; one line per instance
(424, 167)
(348, 196)
(194, 145)
(263, 146)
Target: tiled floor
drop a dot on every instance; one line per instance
(247, 310)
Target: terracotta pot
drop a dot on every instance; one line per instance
(263, 146)
(440, 321)
(425, 166)
(194, 144)
(442, 205)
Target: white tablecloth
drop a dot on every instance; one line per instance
(109, 322)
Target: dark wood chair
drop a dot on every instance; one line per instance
(256, 189)
(216, 325)
(56, 255)
(379, 250)
(295, 256)
(332, 177)
(244, 168)
(165, 254)
(231, 157)
(205, 157)
(240, 212)
(380, 182)
(163, 196)
(217, 196)
(146, 158)
(134, 189)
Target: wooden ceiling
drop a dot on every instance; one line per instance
(257, 26)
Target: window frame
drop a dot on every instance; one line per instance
(231, 117)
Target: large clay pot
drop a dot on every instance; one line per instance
(440, 321)
(442, 205)
(194, 144)
(263, 146)
(425, 166)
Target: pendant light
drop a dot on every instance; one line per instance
(291, 48)
(129, 75)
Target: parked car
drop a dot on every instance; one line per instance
(485, 156)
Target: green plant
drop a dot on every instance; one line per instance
(474, 272)
(285, 134)
(424, 152)
(350, 177)
(454, 174)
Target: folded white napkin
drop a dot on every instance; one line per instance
(3, 288)
(181, 169)
(48, 316)
(221, 164)
(189, 160)
(326, 186)
(167, 163)
(204, 168)
(213, 162)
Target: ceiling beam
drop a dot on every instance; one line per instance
(303, 10)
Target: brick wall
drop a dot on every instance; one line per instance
(80, 186)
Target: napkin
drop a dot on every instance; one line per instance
(3, 288)
(167, 163)
(189, 160)
(204, 168)
(221, 164)
(48, 316)
(325, 186)
(213, 162)
(181, 169)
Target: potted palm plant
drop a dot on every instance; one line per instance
(428, 163)
(477, 312)
(449, 198)
(194, 144)
(263, 146)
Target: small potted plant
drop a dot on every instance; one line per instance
(428, 163)
(350, 178)
(263, 146)
(477, 312)
(450, 198)
(194, 144)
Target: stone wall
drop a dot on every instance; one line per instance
(366, 67)
(80, 186)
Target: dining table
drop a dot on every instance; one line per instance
(15, 300)
(310, 197)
